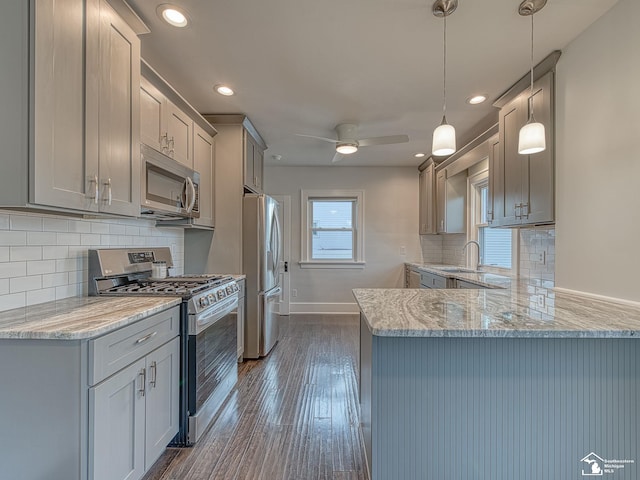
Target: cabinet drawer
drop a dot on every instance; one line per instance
(116, 350)
(429, 280)
(468, 285)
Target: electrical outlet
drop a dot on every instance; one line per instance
(403, 250)
(294, 292)
(541, 301)
(542, 258)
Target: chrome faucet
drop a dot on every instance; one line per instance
(477, 245)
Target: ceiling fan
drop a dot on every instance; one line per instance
(348, 141)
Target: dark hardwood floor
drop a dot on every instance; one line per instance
(292, 415)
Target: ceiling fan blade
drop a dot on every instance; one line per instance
(319, 138)
(365, 142)
(337, 157)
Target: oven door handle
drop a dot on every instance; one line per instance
(202, 323)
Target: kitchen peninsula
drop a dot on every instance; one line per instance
(497, 383)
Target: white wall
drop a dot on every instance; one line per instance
(598, 157)
(44, 257)
(391, 221)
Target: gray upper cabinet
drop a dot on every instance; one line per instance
(204, 164)
(180, 134)
(427, 201)
(118, 94)
(451, 195)
(70, 115)
(253, 163)
(523, 185)
(496, 182)
(153, 128)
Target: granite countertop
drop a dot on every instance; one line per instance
(526, 308)
(79, 318)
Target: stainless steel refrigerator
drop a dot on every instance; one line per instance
(261, 255)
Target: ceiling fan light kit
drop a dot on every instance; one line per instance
(532, 138)
(348, 142)
(444, 136)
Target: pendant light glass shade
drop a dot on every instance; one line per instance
(444, 139)
(532, 136)
(531, 139)
(444, 136)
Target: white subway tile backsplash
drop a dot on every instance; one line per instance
(79, 226)
(44, 257)
(67, 239)
(27, 223)
(116, 229)
(5, 221)
(40, 296)
(13, 300)
(55, 279)
(13, 269)
(41, 238)
(69, 264)
(89, 239)
(55, 225)
(23, 284)
(41, 267)
(26, 253)
(97, 227)
(66, 291)
(55, 252)
(8, 238)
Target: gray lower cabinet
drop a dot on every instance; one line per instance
(100, 408)
(523, 185)
(431, 280)
(69, 122)
(133, 415)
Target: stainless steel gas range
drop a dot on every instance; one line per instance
(208, 367)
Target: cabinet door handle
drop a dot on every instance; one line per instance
(516, 208)
(525, 213)
(146, 337)
(143, 381)
(171, 146)
(154, 374)
(96, 189)
(164, 142)
(109, 193)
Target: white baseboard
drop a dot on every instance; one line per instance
(595, 296)
(334, 308)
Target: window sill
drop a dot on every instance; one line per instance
(332, 264)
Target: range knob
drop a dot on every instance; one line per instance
(204, 301)
(221, 294)
(229, 290)
(212, 298)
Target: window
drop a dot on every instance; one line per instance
(496, 244)
(332, 229)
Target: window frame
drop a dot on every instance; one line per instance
(474, 184)
(306, 228)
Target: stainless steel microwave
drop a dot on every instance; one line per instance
(169, 189)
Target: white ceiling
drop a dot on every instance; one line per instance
(301, 66)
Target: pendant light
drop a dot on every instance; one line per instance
(444, 136)
(532, 136)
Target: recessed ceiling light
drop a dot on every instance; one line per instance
(224, 90)
(173, 15)
(420, 155)
(476, 99)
